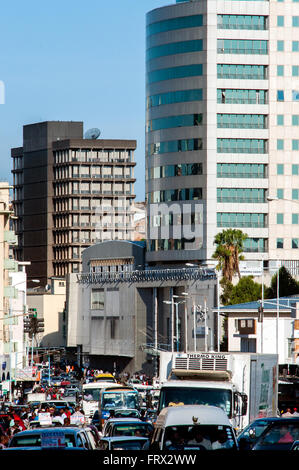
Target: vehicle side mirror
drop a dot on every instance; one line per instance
(252, 433)
(244, 404)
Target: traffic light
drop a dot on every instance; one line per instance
(27, 328)
(40, 327)
(32, 324)
(32, 312)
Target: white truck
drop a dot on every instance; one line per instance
(244, 385)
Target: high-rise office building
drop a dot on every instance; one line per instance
(69, 192)
(222, 127)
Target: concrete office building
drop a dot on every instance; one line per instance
(120, 315)
(69, 192)
(222, 128)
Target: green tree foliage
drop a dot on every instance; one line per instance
(287, 285)
(245, 291)
(228, 252)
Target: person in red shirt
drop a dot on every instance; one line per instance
(286, 436)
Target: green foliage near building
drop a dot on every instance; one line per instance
(245, 291)
(287, 285)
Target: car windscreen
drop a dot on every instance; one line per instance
(171, 396)
(199, 437)
(140, 430)
(126, 413)
(91, 394)
(125, 399)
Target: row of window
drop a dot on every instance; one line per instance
(237, 96)
(172, 244)
(242, 121)
(239, 219)
(234, 121)
(280, 169)
(251, 22)
(168, 171)
(175, 219)
(181, 145)
(251, 245)
(224, 71)
(168, 122)
(174, 97)
(172, 24)
(241, 195)
(281, 97)
(187, 194)
(242, 145)
(280, 243)
(280, 21)
(172, 73)
(173, 48)
(280, 219)
(242, 72)
(241, 170)
(280, 144)
(294, 121)
(242, 46)
(224, 145)
(225, 96)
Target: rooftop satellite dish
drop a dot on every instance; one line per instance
(93, 133)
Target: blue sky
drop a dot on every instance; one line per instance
(74, 60)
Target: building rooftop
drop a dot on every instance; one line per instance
(269, 304)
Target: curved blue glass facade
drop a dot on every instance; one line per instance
(174, 23)
(172, 73)
(174, 97)
(182, 47)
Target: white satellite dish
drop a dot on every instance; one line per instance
(92, 134)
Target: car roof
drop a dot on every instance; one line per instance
(184, 414)
(125, 420)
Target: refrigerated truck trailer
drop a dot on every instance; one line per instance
(244, 385)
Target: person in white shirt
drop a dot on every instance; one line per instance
(222, 441)
(199, 439)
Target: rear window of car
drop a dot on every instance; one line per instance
(127, 445)
(34, 440)
(143, 430)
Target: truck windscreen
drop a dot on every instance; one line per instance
(173, 396)
(91, 394)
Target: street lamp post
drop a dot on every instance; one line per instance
(176, 305)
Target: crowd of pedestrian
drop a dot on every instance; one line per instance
(290, 412)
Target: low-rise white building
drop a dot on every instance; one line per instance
(273, 330)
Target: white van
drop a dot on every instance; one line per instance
(193, 427)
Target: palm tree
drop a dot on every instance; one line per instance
(228, 251)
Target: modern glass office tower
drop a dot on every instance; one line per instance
(222, 129)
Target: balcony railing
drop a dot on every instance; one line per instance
(241, 175)
(150, 275)
(240, 200)
(238, 76)
(232, 50)
(241, 101)
(242, 224)
(231, 125)
(241, 150)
